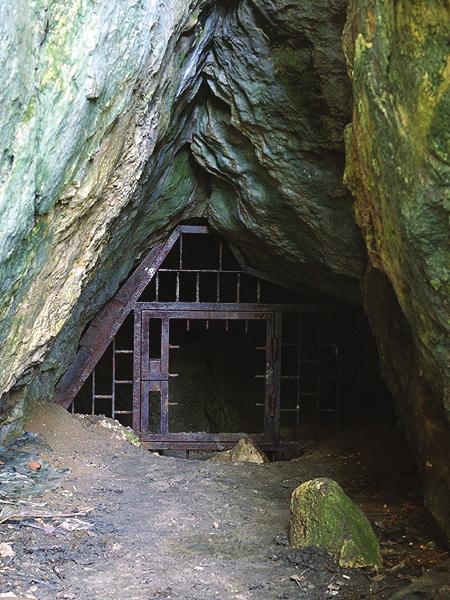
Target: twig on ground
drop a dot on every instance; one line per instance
(25, 516)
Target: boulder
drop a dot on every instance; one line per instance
(244, 451)
(322, 515)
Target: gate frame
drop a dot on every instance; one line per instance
(109, 319)
(146, 381)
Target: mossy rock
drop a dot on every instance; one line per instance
(322, 515)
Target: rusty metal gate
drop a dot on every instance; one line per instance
(195, 276)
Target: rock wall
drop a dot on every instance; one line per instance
(271, 135)
(398, 169)
(93, 165)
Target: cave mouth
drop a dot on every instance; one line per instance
(211, 350)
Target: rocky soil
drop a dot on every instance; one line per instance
(124, 523)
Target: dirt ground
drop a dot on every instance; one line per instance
(122, 523)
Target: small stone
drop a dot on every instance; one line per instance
(6, 550)
(34, 465)
(322, 515)
(244, 451)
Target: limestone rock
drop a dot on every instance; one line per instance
(244, 451)
(322, 515)
(398, 169)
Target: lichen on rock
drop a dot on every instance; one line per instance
(397, 166)
(322, 515)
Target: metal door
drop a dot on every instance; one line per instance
(151, 398)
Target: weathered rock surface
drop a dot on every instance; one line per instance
(244, 451)
(398, 169)
(322, 515)
(271, 134)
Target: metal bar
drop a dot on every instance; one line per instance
(258, 291)
(123, 381)
(268, 376)
(124, 351)
(218, 288)
(207, 314)
(169, 270)
(157, 286)
(318, 390)
(338, 384)
(197, 287)
(220, 254)
(299, 374)
(113, 377)
(181, 252)
(276, 376)
(238, 288)
(217, 307)
(204, 229)
(142, 343)
(103, 397)
(93, 393)
(202, 437)
(137, 341)
(177, 292)
(123, 412)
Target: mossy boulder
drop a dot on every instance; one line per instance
(322, 515)
(244, 451)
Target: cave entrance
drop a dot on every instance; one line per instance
(197, 349)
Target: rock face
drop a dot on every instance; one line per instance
(274, 153)
(398, 170)
(244, 451)
(324, 517)
(93, 166)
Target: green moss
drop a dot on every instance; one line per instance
(323, 516)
